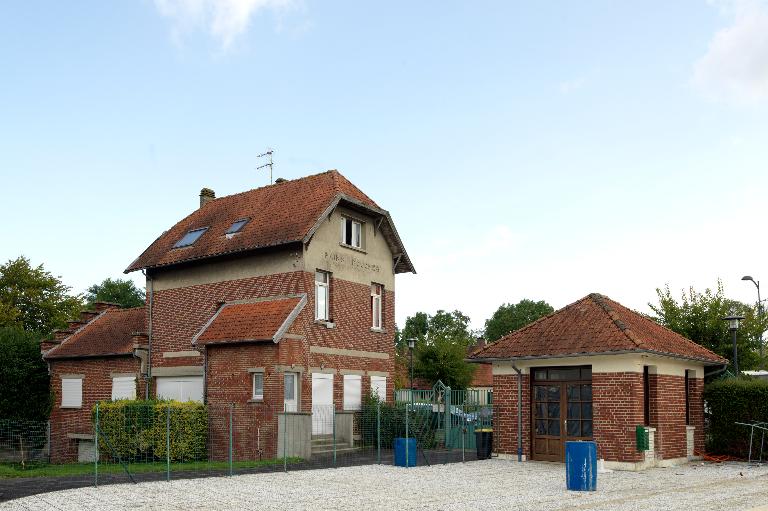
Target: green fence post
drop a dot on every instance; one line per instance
(167, 442)
(333, 410)
(378, 430)
(285, 440)
(231, 409)
(96, 449)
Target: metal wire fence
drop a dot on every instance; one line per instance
(150, 441)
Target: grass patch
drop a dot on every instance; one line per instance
(9, 470)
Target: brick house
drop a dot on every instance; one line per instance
(279, 300)
(595, 370)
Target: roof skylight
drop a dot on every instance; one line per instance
(190, 238)
(236, 226)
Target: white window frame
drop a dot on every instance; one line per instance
(353, 392)
(356, 234)
(257, 396)
(377, 293)
(324, 288)
(291, 405)
(72, 392)
(379, 387)
(116, 384)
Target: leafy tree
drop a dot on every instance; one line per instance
(441, 347)
(123, 292)
(23, 376)
(698, 316)
(510, 317)
(33, 299)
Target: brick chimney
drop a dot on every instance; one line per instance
(102, 306)
(206, 195)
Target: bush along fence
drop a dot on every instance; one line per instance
(132, 441)
(731, 401)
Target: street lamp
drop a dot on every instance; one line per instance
(411, 345)
(733, 325)
(759, 315)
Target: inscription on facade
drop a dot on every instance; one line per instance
(351, 261)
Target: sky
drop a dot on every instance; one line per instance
(540, 150)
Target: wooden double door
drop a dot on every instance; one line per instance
(561, 409)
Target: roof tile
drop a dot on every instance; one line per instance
(255, 321)
(109, 333)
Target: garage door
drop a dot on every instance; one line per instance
(180, 388)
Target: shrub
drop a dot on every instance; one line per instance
(422, 423)
(135, 430)
(729, 401)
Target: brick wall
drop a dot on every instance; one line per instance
(97, 386)
(696, 399)
(617, 407)
(668, 414)
(505, 414)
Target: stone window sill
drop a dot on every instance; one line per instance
(326, 324)
(256, 400)
(71, 407)
(356, 249)
(379, 330)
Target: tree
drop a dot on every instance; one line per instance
(23, 376)
(33, 299)
(698, 316)
(441, 347)
(123, 292)
(509, 317)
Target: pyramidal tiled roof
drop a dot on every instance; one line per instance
(594, 325)
(279, 214)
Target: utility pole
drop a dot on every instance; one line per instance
(268, 155)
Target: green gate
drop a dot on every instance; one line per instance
(456, 414)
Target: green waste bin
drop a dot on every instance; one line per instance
(641, 436)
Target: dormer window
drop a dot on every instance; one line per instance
(236, 226)
(351, 233)
(190, 238)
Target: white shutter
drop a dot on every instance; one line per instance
(123, 387)
(379, 387)
(353, 390)
(180, 388)
(71, 392)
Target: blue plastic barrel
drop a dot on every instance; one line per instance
(400, 444)
(581, 466)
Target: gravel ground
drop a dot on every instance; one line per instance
(492, 484)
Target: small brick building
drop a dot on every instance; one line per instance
(279, 300)
(596, 370)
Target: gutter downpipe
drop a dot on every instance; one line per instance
(149, 334)
(519, 412)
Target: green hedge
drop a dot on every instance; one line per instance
(137, 430)
(734, 400)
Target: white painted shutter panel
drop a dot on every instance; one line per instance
(124, 387)
(352, 391)
(72, 392)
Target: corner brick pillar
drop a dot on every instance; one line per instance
(617, 408)
(505, 414)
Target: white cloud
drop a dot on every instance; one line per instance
(735, 67)
(224, 20)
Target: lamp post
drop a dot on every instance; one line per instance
(759, 315)
(733, 325)
(411, 345)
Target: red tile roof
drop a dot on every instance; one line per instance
(279, 214)
(254, 321)
(109, 333)
(594, 324)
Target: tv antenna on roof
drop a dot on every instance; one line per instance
(268, 154)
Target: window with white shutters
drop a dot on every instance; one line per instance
(71, 392)
(123, 387)
(352, 391)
